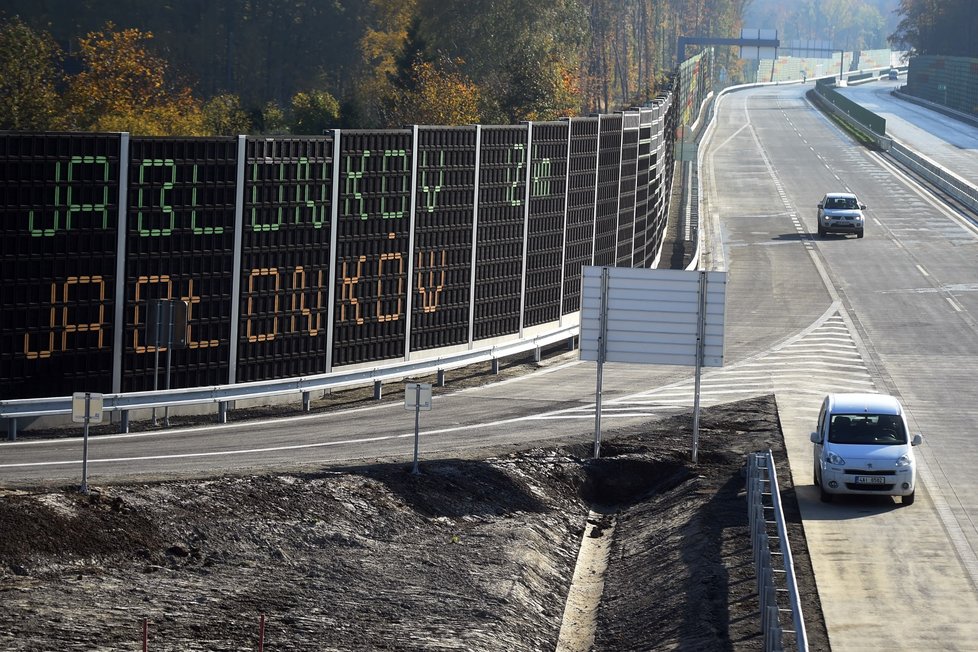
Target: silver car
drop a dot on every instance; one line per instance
(863, 446)
(841, 212)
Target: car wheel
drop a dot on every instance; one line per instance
(821, 231)
(815, 475)
(859, 233)
(823, 495)
(908, 500)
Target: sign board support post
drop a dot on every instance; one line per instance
(417, 427)
(169, 357)
(86, 407)
(602, 353)
(417, 397)
(166, 325)
(84, 482)
(700, 337)
(157, 308)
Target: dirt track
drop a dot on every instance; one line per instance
(472, 554)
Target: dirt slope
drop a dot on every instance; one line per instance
(472, 554)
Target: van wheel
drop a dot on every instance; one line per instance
(815, 475)
(823, 495)
(908, 500)
(821, 231)
(859, 233)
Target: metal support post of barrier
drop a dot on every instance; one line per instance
(222, 412)
(495, 366)
(306, 401)
(124, 422)
(378, 390)
(12, 429)
(768, 600)
(773, 630)
(757, 526)
(762, 595)
(440, 382)
(537, 354)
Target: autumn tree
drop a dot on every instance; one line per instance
(123, 87)
(271, 119)
(224, 116)
(29, 75)
(517, 52)
(314, 112)
(438, 94)
(938, 27)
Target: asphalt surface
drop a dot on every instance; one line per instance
(903, 300)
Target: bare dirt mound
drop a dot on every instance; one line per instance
(472, 554)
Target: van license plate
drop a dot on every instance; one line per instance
(870, 479)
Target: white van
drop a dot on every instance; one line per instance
(863, 446)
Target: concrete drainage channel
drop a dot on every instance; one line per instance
(581, 612)
(613, 484)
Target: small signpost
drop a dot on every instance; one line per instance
(417, 397)
(86, 408)
(166, 329)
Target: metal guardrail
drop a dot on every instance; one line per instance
(944, 179)
(221, 395)
(775, 585)
(846, 109)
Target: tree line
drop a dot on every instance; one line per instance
(195, 67)
(846, 24)
(945, 27)
(200, 67)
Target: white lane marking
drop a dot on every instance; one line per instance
(954, 304)
(731, 137)
(922, 270)
(207, 454)
(272, 449)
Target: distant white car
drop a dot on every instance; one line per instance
(863, 447)
(841, 212)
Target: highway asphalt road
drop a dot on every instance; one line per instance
(889, 577)
(893, 312)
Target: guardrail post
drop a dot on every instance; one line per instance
(441, 378)
(222, 412)
(378, 390)
(12, 429)
(495, 366)
(124, 422)
(306, 402)
(537, 354)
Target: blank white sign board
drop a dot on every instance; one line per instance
(653, 316)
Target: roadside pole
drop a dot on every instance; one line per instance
(86, 408)
(602, 354)
(700, 337)
(417, 397)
